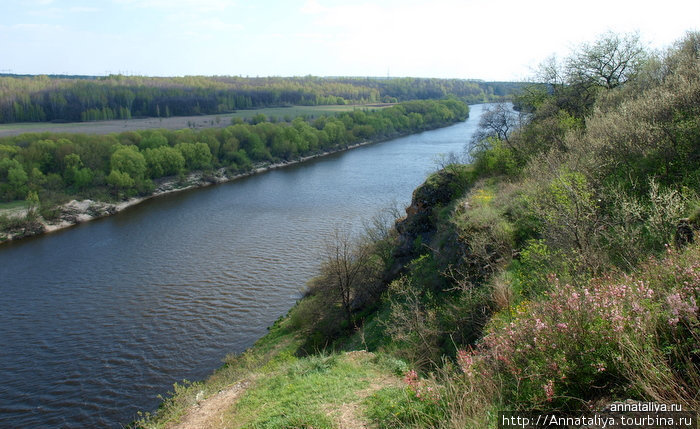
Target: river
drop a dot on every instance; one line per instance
(100, 319)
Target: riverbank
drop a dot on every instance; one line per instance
(76, 212)
(137, 301)
(385, 368)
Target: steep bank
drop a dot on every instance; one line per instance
(558, 274)
(281, 382)
(393, 370)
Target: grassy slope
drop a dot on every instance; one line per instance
(323, 390)
(346, 386)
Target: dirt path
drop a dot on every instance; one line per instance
(215, 412)
(209, 413)
(350, 414)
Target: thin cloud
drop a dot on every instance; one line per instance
(192, 5)
(81, 9)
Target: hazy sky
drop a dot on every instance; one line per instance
(484, 39)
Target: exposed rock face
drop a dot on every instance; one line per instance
(78, 211)
(85, 210)
(685, 232)
(418, 225)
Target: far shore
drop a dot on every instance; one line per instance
(79, 211)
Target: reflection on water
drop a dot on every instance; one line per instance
(100, 319)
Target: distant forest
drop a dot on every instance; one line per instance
(84, 98)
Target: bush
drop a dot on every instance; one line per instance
(485, 233)
(641, 225)
(495, 159)
(532, 271)
(584, 342)
(413, 323)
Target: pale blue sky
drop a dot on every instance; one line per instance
(485, 39)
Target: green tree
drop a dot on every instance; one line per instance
(152, 139)
(32, 206)
(72, 164)
(16, 178)
(258, 119)
(120, 181)
(197, 155)
(608, 62)
(128, 159)
(82, 178)
(163, 161)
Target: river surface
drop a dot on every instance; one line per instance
(100, 319)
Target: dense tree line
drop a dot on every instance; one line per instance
(43, 98)
(55, 165)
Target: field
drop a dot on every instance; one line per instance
(176, 123)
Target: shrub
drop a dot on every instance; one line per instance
(495, 159)
(638, 226)
(537, 262)
(413, 323)
(485, 232)
(584, 342)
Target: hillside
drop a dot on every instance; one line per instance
(556, 272)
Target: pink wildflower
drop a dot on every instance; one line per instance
(549, 390)
(411, 379)
(539, 325)
(465, 360)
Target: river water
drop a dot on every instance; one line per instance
(100, 319)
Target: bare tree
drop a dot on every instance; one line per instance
(497, 121)
(379, 230)
(608, 62)
(346, 269)
(551, 72)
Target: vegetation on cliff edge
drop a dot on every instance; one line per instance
(556, 272)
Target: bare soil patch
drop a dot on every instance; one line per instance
(210, 412)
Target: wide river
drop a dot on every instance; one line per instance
(100, 319)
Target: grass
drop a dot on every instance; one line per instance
(324, 390)
(285, 390)
(13, 205)
(305, 392)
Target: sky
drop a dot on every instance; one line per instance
(469, 39)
